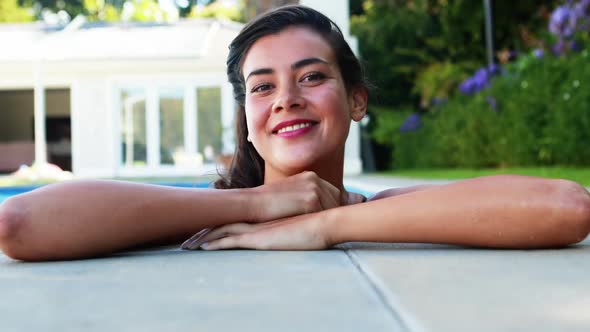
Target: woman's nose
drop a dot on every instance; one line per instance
(289, 98)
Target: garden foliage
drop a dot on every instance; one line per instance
(10, 11)
(534, 110)
(406, 43)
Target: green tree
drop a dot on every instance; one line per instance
(72, 7)
(218, 10)
(393, 41)
(422, 49)
(146, 10)
(399, 39)
(98, 10)
(11, 11)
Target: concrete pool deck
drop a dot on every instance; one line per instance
(356, 287)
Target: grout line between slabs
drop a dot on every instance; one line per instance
(404, 321)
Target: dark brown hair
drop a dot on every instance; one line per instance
(247, 167)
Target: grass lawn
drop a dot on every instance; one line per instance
(580, 175)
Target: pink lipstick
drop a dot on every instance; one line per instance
(293, 128)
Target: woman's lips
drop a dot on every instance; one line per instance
(295, 130)
(291, 123)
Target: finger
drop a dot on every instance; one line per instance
(324, 191)
(245, 241)
(220, 232)
(331, 195)
(195, 237)
(214, 232)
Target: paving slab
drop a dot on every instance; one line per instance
(357, 287)
(172, 290)
(449, 288)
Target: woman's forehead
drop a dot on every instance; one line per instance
(285, 48)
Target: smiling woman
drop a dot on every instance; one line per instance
(303, 88)
(298, 86)
(292, 63)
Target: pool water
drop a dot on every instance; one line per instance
(8, 192)
(5, 193)
(3, 197)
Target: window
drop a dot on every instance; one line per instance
(134, 127)
(170, 128)
(171, 124)
(209, 129)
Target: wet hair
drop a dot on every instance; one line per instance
(247, 166)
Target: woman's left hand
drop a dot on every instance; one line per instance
(303, 232)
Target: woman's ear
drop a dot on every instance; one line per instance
(359, 98)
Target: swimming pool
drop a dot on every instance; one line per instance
(12, 191)
(7, 192)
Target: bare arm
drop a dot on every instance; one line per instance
(86, 218)
(91, 217)
(494, 211)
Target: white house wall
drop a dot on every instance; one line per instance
(92, 128)
(94, 85)
(337, 11)
(92, 82)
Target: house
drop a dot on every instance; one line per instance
(126, 99)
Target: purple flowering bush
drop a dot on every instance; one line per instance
(563, 22)
(536, 116)
(411, 123)
(534, 111)
(480, 80)
(567, 23)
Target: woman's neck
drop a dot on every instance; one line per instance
(333, 176)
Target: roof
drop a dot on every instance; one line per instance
(106, 41)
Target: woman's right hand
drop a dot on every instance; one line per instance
(298, 194)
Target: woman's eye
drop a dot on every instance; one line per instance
(315, 76)
(261, 88)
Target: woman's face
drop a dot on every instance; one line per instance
(297, 108)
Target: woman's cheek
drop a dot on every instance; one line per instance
(255, 120)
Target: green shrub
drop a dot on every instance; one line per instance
(568, 130)
(400, 39)
(439, 80)
(536, 113)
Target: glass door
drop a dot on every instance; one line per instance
(171, 105)
(134, 127)
(167, 129)
(209, 128)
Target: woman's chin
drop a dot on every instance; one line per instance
(295, 164)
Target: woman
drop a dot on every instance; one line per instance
(298, 86)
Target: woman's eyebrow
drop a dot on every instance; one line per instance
(307, 62)
(296, 65)
(261, 71)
